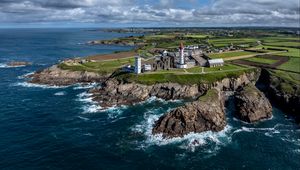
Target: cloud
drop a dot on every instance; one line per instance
(150, 12)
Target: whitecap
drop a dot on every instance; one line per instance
(115, 111)
(25, 75)
(85, 86)
(83, 118)
(89, 106)
(60, 93)
(3, 65)
(26, 84)
(189, 142)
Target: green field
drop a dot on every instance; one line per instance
(284, 44)
(197, 36)
(103, 67)
(226, 42)
(226, 67)
(230, 54)
(293, 52)
(292, 65)
(154, 78)
(261, 60)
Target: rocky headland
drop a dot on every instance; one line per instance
(252, 105)
(118, 92)
(202, 113)
(284, 93)
(56, 76)
(205, 114)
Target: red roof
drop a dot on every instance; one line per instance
(181, 45)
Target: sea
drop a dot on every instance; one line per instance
(43, 127)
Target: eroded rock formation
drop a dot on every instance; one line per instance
(252, 105)
(205, 114)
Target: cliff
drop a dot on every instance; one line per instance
(252, 105)
(206, 113)
(117, 92)
(282, 91)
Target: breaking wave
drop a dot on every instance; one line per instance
(89, 106)
(25, 75)
(60, 93)
(85, 86)
(26, 84)
(3, 65)
(209, 141)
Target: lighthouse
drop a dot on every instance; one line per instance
(181, 63)
(138, 65)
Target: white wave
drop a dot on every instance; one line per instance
(115, 111)
(154, 98)
(190, 141)
(85, 86)
(26, 84)
(83, 118)
(25, 75)
(89, 106)
(3, 65)
(60, 93)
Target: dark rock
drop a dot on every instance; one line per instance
(115, 92)
(252, 105)
(18, 63)
(205, 114)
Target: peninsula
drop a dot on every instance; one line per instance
(198, 66)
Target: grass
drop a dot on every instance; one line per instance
(210, 95)
(226, 67)
(261, 60)
(293, 52)
(292, 65)
(103, 67)
(228, 41)
(199, 36)
(284, 44)
(187, 79)
(230, 54)
(287, 81)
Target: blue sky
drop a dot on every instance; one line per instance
(148, 13)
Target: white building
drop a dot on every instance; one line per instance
(138, 65)
(216, 62)
(181, 57)
(147, 67)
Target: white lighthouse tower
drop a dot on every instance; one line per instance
(181, 63)
(138, 65)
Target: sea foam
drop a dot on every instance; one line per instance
(188, 142)
(26, 84)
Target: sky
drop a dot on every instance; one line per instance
(149, 13)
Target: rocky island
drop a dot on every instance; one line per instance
(205, 114)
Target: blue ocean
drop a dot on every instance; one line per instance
(45, 127)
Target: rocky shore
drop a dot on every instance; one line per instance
(252, 105)
(55, 76)
(18, 63)
(205, 114)
(117, 92)
(284, 93)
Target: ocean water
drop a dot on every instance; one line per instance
(45, 127)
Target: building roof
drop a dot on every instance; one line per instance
(216, 61)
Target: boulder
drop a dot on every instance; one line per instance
(205, 114)
(252, 105)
